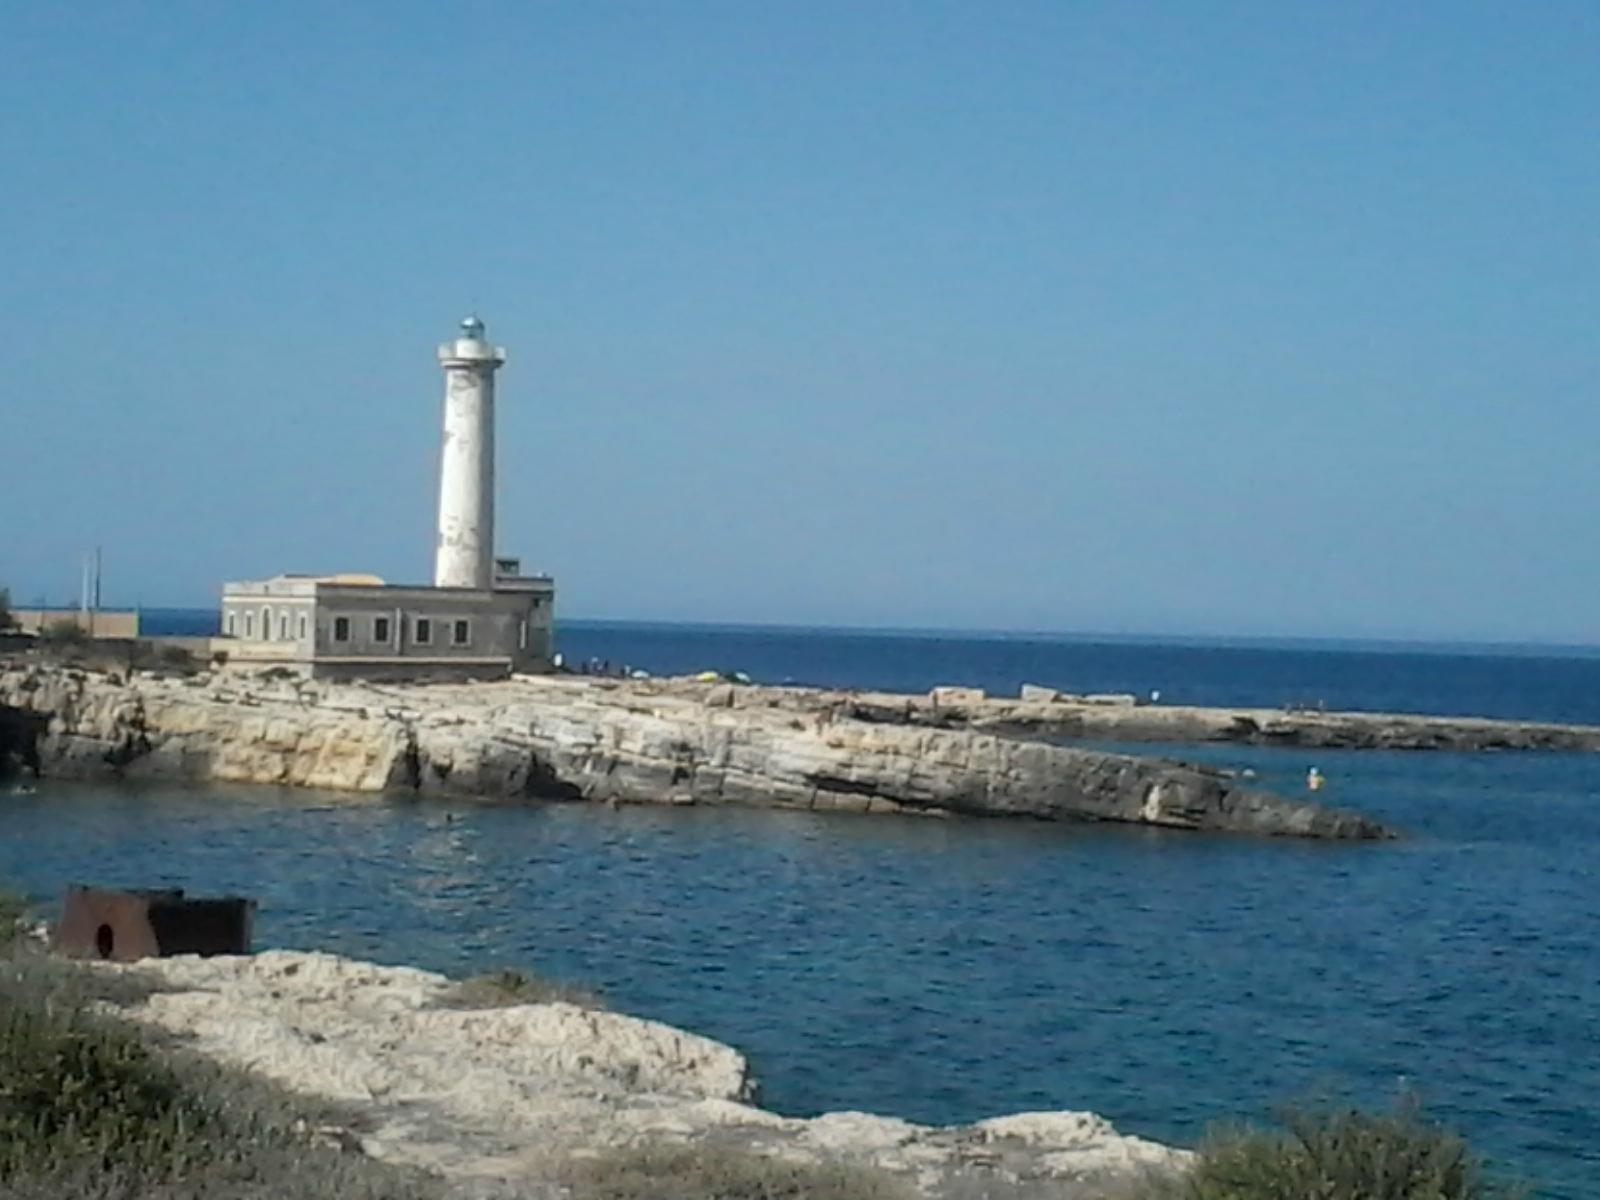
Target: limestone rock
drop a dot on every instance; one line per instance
(956, 695)
(620, 742)
(498, 1097)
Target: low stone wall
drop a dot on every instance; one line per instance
(102, 623)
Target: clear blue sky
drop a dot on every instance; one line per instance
(1238, 318)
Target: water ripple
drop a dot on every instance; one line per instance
(947, 971)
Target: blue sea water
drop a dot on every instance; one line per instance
(1526, 682)
(946, 970)
(1534, 682)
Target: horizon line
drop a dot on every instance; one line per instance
(988, 633)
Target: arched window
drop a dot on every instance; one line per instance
(249, 625)
(227, 623)
(266, 624)
(283, 626)
(302, 626)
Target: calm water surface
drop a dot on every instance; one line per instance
(950, 970)
(1528, 683)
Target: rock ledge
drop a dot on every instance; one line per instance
(496, 1098)
(581, 739)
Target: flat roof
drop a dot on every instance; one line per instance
(304, 585)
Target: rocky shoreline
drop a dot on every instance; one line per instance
(613, 741)
(495, 1100)
(1043, 712)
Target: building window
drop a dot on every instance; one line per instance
(249, 625)
(283, 627)
(461, 633)
(227, 623)
(341, 629)
(302, 634)
(535, 605)
(380, 630)
(424, 632)
(266, 624)
(522, 636)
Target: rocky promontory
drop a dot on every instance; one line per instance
(497, 1100)
(635, 741)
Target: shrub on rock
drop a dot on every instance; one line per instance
(1341, 1155)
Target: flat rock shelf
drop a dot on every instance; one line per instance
(1119, 719)
(502, 1096)
(635, 741)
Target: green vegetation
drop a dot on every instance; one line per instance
(7, 621)
(504, 988)
(707, 1172)
(65, 632)
(80, 1094)
(92, 1108)
(12, 911)
(1335, 1155)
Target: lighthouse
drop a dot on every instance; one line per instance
(482, 618)
(465, 557)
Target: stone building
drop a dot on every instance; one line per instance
(481, 618)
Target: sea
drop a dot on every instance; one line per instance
(946, 970)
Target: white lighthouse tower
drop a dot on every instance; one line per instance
(482, 618)
(466, 469)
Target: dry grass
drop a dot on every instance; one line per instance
(505, 988)
(93, 1108)
(703, 1172)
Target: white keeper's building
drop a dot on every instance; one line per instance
(482, 618)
